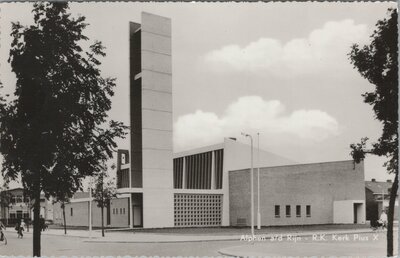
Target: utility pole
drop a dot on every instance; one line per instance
(251, 185)
(258, 183)
(90, 208)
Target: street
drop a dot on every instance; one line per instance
(366, 244)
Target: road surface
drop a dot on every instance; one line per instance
(375, 245)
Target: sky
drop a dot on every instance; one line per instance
(280, 69)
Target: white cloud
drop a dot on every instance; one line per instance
(253, 114)
(324, 48)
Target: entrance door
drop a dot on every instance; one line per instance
(108, 213)
(137, 216)
(355, 213)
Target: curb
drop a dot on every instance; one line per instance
(61, 235)
(223, 239)
(159, 242)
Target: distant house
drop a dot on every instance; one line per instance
(15, 205)
(377, 197)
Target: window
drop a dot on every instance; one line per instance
(287, 211)
(12, 216)
(277, 211)
(308, 210)
(72, 212)
(298, 211)
(124, 210)
(19, 199)
(13, 199)
(120, 210)
(123, 159)
(116, 211)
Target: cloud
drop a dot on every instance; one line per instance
(324, 49)
(253, 114)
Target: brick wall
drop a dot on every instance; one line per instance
(317, 185)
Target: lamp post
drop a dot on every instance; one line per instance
(251, 185)
(258, 183)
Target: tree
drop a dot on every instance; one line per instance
(28, 204)
(104, 191)
(377, 62)
(55, 130)
(62, 200)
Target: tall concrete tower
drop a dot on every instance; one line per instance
(149, 171)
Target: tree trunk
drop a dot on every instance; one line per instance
(102, 221)
(392, 201)
(65, 223)
(36, 220)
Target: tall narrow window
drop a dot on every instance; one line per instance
(72, 212)
(277, 211)
(308, 210)
(298, 211)
(288, 211)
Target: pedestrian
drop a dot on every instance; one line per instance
(1, 231)
(42, 223)
(19, 229)
(23, 225)
(383, 219)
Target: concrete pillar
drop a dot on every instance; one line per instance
(184, 173)
(213, 186)
(130, 212)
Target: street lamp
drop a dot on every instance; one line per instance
(251, 184)
(258, 183)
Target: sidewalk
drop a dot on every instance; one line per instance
(307, 247)
(146, 237)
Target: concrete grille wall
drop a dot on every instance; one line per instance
(197, 210)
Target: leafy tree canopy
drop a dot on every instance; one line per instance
(56, 129)
(378, 63)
